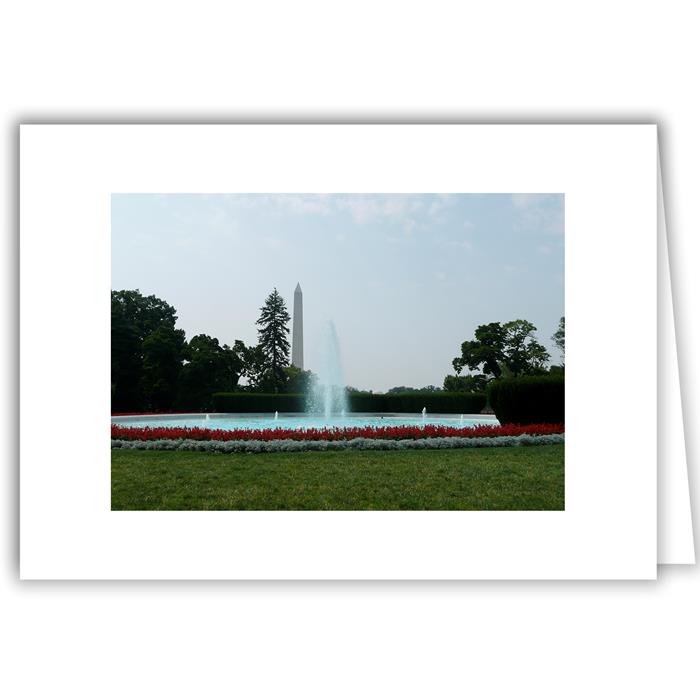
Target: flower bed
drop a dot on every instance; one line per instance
(404, 432)
(364, 438)
(302, 445)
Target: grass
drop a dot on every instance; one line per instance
(495, 478)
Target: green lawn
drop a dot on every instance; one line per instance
(494, 478)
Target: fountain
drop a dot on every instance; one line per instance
(326, 406)
(327, 395)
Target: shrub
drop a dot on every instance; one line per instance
(531, 399)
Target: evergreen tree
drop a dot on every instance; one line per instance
(558, 337)
(273, 342)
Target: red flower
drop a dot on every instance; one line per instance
(401, 432)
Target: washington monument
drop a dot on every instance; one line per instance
(298, 329)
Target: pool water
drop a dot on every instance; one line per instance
(252, 421)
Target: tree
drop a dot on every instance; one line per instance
(209, 367)
(232, 365)
(253, 364)
(127, 361)
(524, 355)
(273, 342)
(299, 381)
(469, 382)
(163, 354)
(487, 350)
(503, 349)
(134, 318)
(558, 337)
(430, 388)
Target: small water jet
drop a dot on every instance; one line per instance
(423, 412)
(206, 418)
(277, 415)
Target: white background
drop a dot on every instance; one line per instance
(552, 61)
(68, 173)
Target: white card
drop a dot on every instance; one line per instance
(608, 529)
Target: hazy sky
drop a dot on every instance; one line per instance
(405, 277)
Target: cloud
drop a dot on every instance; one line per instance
(465, 245)
(304, 203)
(320, 204)
(405, 211)
(363, 208)
(526, 201)
(184, 242)
(440, 203)
(541, 213)
(408, 211)
(273, 243)
(367, 208)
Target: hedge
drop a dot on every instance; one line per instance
(258, 403)
(415, 402)
(359, 402)
(536, 399)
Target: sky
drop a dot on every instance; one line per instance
(405, 278)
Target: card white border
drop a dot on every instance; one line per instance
(608, 174)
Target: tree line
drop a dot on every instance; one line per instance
(498, 350)
(154, 368)
(501, 350)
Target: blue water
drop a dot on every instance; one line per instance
(237, 421)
